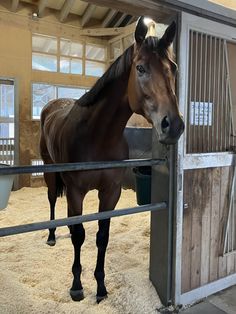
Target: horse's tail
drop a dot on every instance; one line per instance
(60, 186)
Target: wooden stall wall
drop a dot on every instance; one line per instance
(206, 198)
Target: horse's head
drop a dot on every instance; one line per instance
(151, 89)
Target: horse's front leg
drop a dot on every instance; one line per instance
(108, 200)
(75, 202)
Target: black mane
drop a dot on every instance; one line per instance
(120, 66)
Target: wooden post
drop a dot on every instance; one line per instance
(162, 223)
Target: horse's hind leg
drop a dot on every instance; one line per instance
(50, 179)
(108, 200)
(75, 201)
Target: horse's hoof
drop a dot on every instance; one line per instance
(100, 298)
(77, 295)
(51, 242)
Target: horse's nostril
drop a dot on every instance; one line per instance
(165, 124)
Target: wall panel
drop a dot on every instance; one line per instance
(206, 198)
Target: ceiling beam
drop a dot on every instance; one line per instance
(88, 14)
(132, 19)
(14, 5)
(110, 15)
(41, 7)
(162, 10)
(98, 32)
(65, 10)
(120, 20)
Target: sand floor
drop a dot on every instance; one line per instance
(36, 278)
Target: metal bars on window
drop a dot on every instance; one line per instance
(209, 108)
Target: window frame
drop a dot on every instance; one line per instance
(60, 55)
(57, 86)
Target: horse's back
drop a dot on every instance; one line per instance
(53, 117)
(56, 107)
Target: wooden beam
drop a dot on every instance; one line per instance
(88, 14)
(120, 20)
(14, 5)
(133, 19)
(163, 9)
(66, 9)
(152, 8)
(41, 7)
(111, 14)
(98, 32)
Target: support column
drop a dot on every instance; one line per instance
(162, 222)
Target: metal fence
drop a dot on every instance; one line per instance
(7, 151)
(80, 167)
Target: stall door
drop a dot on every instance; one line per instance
(206, 245)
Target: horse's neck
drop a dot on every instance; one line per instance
(109, 115)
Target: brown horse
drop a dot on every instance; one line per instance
(142, 80)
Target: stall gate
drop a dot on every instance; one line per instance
(206, 217)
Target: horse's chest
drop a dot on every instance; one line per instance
(94, 150)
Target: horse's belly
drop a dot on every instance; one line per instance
(93, 179)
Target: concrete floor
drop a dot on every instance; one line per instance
(223, 302)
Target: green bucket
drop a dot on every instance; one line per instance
(143, 180)
(6, 182)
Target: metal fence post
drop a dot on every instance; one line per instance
(161, 225)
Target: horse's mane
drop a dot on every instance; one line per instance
(119, 67)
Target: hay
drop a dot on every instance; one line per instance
(36, 278)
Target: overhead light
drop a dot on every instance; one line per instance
(148, 21)
(35, 15)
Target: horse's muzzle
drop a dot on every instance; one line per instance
(171, 130)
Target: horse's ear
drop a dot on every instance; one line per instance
(140, 31)
(168, 37)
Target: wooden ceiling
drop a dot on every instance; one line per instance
(231, 4)
(88, 14)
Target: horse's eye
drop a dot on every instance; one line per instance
(140, 69)
(174, 68)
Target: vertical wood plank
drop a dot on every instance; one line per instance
(196, 229)
(187, 225)
(224, 208)
(214, 253)
(230, 257)
(206, 221)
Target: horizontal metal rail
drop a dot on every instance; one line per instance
(94, 165)
(79, 219)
